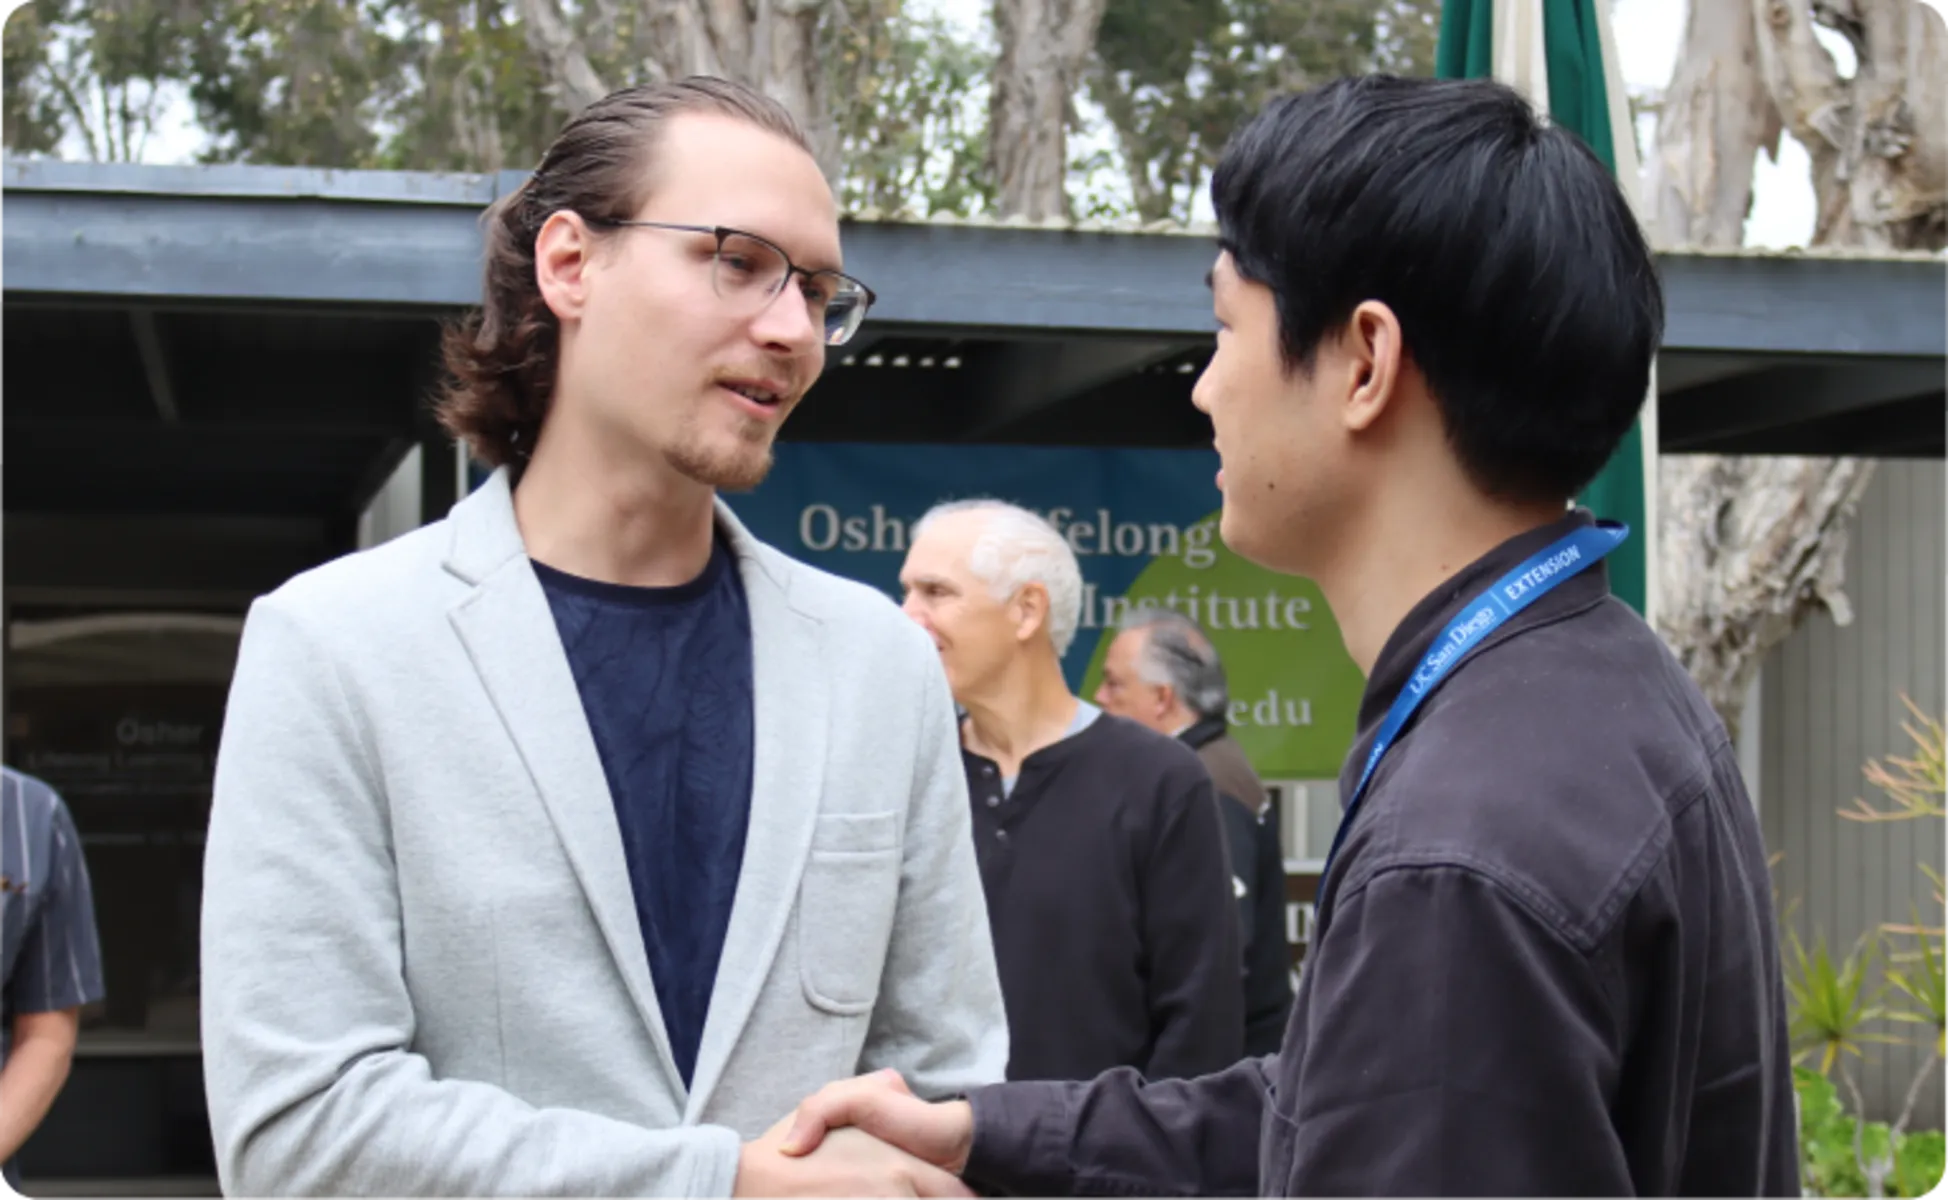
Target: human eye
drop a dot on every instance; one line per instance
(821, 291)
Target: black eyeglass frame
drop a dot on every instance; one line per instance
(720, 232)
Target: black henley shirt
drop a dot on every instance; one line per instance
(1109, 894)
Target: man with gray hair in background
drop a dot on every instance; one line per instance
(1163, 672)
(1100, 844)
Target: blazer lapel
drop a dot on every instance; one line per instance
(790, 706)
(509, 633)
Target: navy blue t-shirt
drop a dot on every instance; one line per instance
(665, 679)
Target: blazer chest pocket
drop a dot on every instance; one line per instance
(846, 906)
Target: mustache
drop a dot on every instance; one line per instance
(789, 375)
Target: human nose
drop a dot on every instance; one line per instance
(1201, 392)
(788, 323)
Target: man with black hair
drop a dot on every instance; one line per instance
(1545, 960)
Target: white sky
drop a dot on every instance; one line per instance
(1648, 34)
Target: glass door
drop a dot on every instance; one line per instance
(120, 712)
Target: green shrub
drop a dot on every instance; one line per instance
(1834, 1004)
(1826, 1149)
(1918, 1163)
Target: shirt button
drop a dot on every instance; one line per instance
(994, 802)
(989, 768)
(1000, 835)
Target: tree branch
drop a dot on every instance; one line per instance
(75, 108)
(1877, 1171)
(1797, 70)
(1711, 122)
(1913, 1095)
(107, 120)
(682, 41)
(148, 117)
(1750, 547)
(1812, 99)
(600, 41)
(1859, 1139)
(573, 81)
(730, 36)
(1044, 45)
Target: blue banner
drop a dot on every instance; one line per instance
(1144, 528)
(849, 508)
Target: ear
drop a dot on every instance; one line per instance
(1030, 610)
(1166, 700)
(1371, 341)
(562, 253)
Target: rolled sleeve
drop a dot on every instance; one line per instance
(59, 963)
(1118, 1135)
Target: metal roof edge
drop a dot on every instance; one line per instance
(458, 189)
(1830, 253)
(249, 181)
(1195, 229)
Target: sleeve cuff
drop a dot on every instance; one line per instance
(62, 999)
(1020, 1142)
(715, 1172)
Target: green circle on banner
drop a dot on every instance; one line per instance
(1295, 693)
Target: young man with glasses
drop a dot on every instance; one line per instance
(561, 846)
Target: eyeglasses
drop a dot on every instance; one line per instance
(749, 272)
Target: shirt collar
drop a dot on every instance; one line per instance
(1414, 636)
(1201, 732)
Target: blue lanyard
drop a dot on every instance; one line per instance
(1483, 615)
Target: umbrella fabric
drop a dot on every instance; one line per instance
(1561, 54)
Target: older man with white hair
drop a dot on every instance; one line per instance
(1100, 843)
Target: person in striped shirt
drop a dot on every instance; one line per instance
(50, 957)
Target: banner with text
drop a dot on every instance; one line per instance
(1143, 525)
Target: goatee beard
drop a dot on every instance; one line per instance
(735, 472)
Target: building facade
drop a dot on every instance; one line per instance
(216, 377)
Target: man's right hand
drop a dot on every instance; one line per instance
(881, 1105)
(849, 1163)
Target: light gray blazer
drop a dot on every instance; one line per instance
(422, 968)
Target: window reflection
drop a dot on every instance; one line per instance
(121, 713)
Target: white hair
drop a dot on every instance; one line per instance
(1016, 548)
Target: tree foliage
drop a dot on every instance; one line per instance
(33, 114)
(1752, 546)
(96, 73)
(898, 101)
(914, 132)
(299, 82)
(471, 94)
(1176, 77)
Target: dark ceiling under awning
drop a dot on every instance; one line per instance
(252, 350)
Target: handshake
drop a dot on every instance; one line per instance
(868, 1136)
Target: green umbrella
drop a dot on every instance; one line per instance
(1560, 53)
